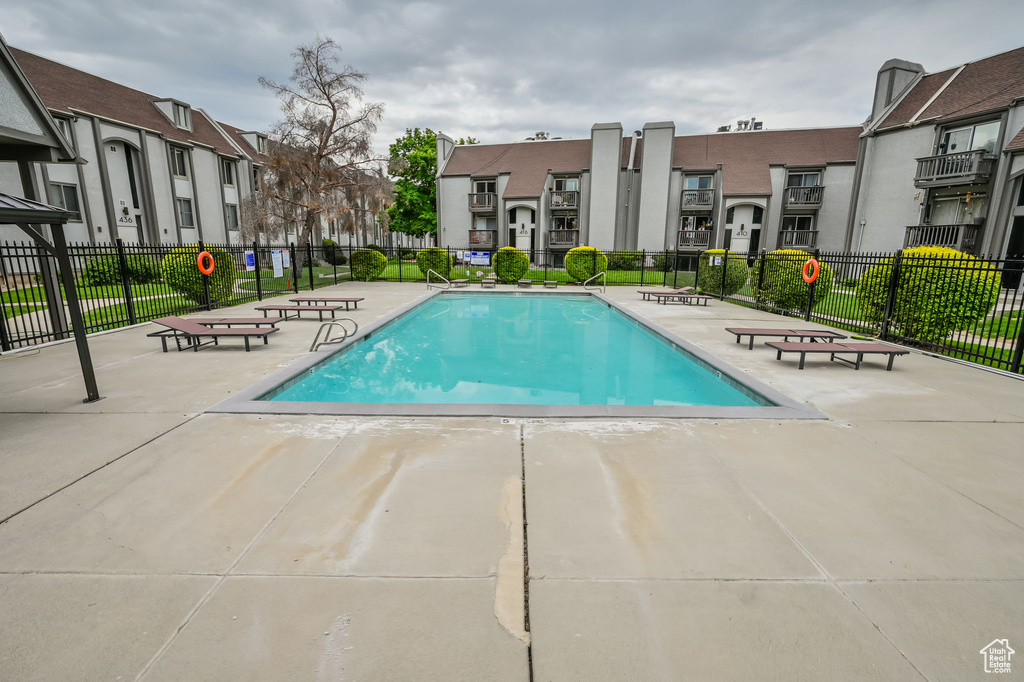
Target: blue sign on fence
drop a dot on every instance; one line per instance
(480, 258)
(250, 261)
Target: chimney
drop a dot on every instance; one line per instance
(893, 79)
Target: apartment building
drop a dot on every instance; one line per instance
(939, 162)
(151, 169)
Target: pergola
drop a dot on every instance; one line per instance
(28, 134)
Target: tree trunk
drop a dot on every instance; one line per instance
(307, 231)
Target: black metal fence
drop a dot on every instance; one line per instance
(962, 307)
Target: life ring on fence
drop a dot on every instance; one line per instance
(205, 269)
(817, 270)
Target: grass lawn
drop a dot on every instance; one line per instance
(17, 310)
(113, 316)
(246, 281)
(1002, 326)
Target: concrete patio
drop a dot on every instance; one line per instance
(145, 540)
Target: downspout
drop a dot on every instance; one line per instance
(631, 238)
(851, 214)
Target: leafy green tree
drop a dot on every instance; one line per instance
(413, 164)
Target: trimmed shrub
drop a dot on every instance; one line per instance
(182, 274)
(783, 285)
(368, 264)
(405, 253)
(379, 249)
(709, 275)
(940, 290)
(102, 270)
(510, 264)
(851, 283)
(436, 259)
(624, 260)
(663, 261)
(333, 253)
(584, 262)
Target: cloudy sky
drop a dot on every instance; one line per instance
(500, 71)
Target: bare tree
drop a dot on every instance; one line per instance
(320, 153)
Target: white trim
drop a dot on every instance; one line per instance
(913, 119)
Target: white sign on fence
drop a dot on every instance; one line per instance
(286, 255)
(276, 260)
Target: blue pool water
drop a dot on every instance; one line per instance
(514, 349)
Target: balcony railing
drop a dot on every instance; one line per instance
(697, 200)
(966, 168)
(483, 239)
(563, 238)
(798, 239)
(565, 199)
(804, 197)
(959, 237)
(690, 240)
(484, 202)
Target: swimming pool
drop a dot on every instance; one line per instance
(514, 354)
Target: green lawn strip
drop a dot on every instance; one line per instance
(991, 356)
(1001, 326)
(18, 310)
(114, 316)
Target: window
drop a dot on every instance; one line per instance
(482, 186)
(227, 171)
(64, 126)
(231, 217)
(797, 222)
(185, 217)
(758, 216)
(486, 223)
(179, 159)
(66, 197)
(261, 144)
(567, 184)
(698, 182)
(969, 138)
(563, 222)
(255, 178)
(181, 116)
(730, 214)
(803, 179)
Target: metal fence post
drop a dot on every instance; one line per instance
(725, 271)
(1018, 351)
(890, 302)
(206, 279)
(810, 292)
(762, 259)
(675, 268)
(696, 271)
(126, 282)
(309, 257)
(259, 282)
(295, 268)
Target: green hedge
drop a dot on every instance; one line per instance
(368, 264)
(333, 253)
(510, 264)
(584, 262)
(624, 260)
(181, 273)
(939, 290)
(709, 275)
(663, 262)
(783, 285)
(379, 249)
(103, 270)
(436, 259)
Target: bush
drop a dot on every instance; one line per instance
(182, 273)
(624, 260)
(333, 253)
(940, 290)
(405, 253)
(510, 264)
(379, 249)
(436, 259)
(368, 264)
(709, 275)
(663, 262)
(783, 285)
(584, 262)
(101, 270)
(851, 283)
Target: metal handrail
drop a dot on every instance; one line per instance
(602, 287)
(447, 284)
(327, 338)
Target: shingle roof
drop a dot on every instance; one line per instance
(1017, 143)
(236, 135)
(527, 163)
(745, 157)
(987, 84)
(63, 88)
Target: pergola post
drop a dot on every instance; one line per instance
(75, 311)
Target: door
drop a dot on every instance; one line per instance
(1014, 255)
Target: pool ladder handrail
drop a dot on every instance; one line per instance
(438, 285)
(602, 287)
(327, 337)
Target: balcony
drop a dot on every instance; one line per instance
(565, 199)
(959, 237)
(483, 240)
(697, 200)
(483, 202)
(804, 197)
(563, 239)
(694, 240)
(798, 239)
(967, 168)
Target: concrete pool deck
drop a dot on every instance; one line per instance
(146, 539)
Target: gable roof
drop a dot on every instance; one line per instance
(236, 135)
(984, 85)
(63, 88)
(1017, 143)
(746, 156)
(526, 163)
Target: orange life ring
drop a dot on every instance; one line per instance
(817, 269)
(206, 270)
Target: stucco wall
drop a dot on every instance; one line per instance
(835, 206)
(453, 219)
(656, 168)
(603, 197)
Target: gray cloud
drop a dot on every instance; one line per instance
(500, 72)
